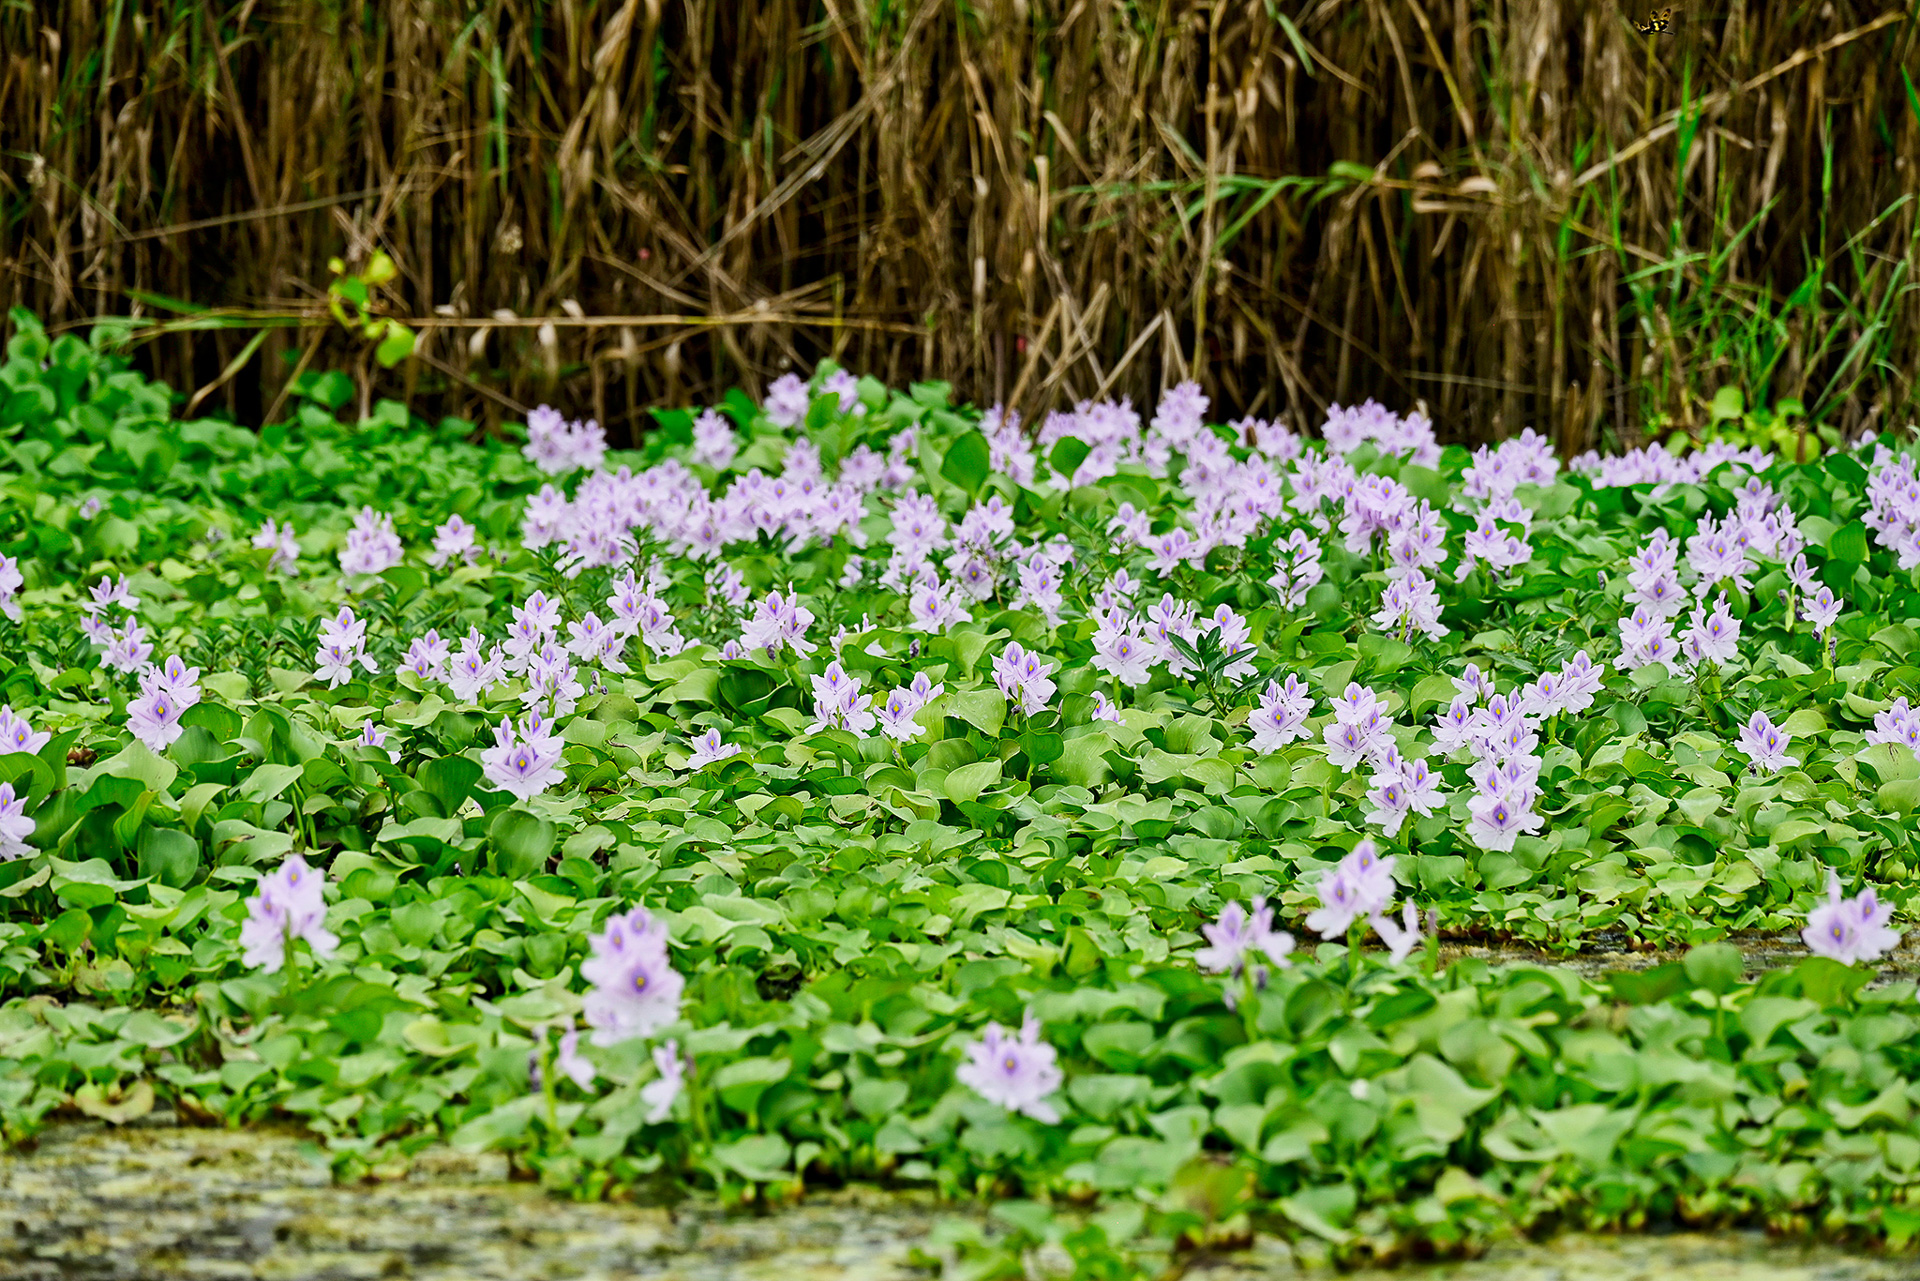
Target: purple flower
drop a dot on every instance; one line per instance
(571, 1063)
(1282, 715)
(128, 650)
(1124, 656)
(715, 443)
(1898, 726)
(1765, 744)
(659, 1094)
(1713, 638)
(1400, 939)
(898, 716)
(456, 538)
(1022, 677)
(1103, 710)
(1016, 1073)
(279, 538)
(709, 748)
(154, 719)
(15, 826)
(1821, 609)
(556, 446)
(1850, 930)
(16, 735)
(288, 904)
(1238, 936)
(372, 546)
(10, 581)
(524, 768)
(471, 673)
(636, 989)
(1497, 820)
(1359, 885)
(787, 401)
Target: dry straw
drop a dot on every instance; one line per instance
(1519, 211)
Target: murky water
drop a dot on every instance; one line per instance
(158, 1202)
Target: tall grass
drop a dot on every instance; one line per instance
(1519, 211)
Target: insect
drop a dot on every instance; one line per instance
(1656, 24)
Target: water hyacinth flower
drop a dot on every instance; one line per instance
(778, 621)
(1126, 657)
(372, 546)
(1022, 677)
(1850, 929)
(1013, 1072)
(1103, 710)
(1242, 935)
(1765, 745)
(524, 768)
(471, 673)
(898, 716)
(1400, 938)
(1898, 726)
(127, 650)
(708, 749)
(636, 990)
(557, 446)
(372, 735)
(288, 905)
(1282, 715)
(455, 538)
(570, 1063)
(280, 539)
(15, 826)
(660, 1093)
(10, 582)
(17, 735)
(1358, 886)
(1496, 820)
(1713, 638)
(427, 657)
(1822, 609)
(715, 442)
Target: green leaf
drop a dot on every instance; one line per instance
(967, 782)
(449, 780)
(1718, 967)
(758, 1158)
(1067, 454)
(967, 462)
(168, 856)
(522, 843)
(1849, 544)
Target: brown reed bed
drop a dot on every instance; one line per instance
(1519, 211)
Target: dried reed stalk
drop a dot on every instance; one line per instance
(1517, 210)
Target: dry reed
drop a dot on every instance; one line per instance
(1519, 211)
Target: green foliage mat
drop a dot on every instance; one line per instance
(849, 913)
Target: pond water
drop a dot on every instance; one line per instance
(157, 1201)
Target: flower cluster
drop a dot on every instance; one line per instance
(557, 447)
(1016, 1072)
(165, 693)
(524, 763)
(1023, 677)
(1361, 887)
(1850, 929)
(636, 990)
(1238, 939)
(279, 539)
(343, 646)
(288, 905)
(372, 545)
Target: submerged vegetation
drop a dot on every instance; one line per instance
(855, 787)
